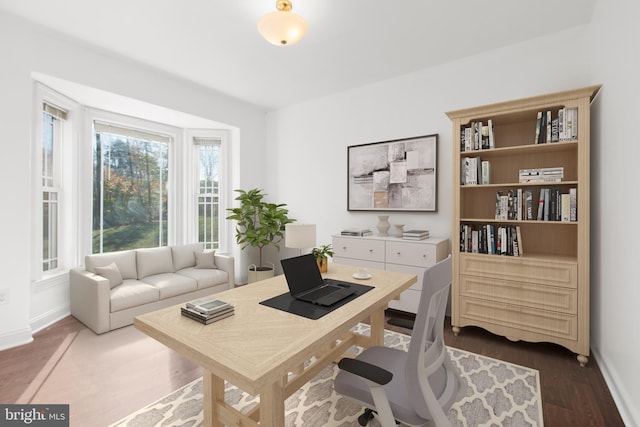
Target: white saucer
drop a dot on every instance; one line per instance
(361, 276)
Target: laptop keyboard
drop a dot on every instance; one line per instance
(319, 293)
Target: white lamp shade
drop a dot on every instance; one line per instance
(300, 236)
(282, 28)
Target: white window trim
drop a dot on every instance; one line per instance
(175, 134)
(190, 201)
(67, 200)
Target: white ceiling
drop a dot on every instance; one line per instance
(349, 43)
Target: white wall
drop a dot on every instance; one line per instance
(26, 48)
(308, 148)
(615, 295)
(308, 142)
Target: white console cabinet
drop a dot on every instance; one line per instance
(392, 254)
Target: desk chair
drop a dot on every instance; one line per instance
(416, 386)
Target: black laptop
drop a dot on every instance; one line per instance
(306, 283)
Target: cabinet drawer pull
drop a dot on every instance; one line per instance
(398, 253)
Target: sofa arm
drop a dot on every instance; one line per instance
(226, 263)
(90, 299)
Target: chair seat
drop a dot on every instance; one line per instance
(394, 361)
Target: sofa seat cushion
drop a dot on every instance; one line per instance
(171, 284)
(125, 260)
(206, 278)
(132, 293)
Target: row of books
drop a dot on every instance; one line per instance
(541, 175)
(491, 239)
(415, 234)
(356, 232)
(474, 171)
(552, 205)
(477, 136)
(207, 310)
(562, 127)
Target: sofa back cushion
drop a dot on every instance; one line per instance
(185, 256)
(154, 261)
(125, 260)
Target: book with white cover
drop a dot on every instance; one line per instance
(209, 306)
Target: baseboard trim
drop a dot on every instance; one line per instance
(16, 338)
(49, 318)
(623, 401)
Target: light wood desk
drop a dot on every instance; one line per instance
(262, 350)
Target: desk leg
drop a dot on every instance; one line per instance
(213, 391)
(377, 328)
(272, 405)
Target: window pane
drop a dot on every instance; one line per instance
(47, 150)
(209, 194)
(49, 230)
(129, 193)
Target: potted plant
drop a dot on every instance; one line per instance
(321, 254)
(259, 224)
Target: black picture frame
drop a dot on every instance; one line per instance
(394, 175)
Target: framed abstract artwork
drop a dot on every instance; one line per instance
(397, 175)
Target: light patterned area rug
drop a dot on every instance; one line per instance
(499, 393)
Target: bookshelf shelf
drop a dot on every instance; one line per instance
(523, 297)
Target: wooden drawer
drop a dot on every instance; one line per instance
(407, 253)
(521, 269)
(562, 300)
(365, 249)
(544, 322)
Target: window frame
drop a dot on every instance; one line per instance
(64, 186)
(121, 120)
(193, 179)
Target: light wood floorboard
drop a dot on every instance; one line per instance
(106, 377)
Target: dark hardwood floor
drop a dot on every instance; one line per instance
(571, 395)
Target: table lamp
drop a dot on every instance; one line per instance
(300, 236)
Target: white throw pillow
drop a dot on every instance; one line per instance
(112, 273)
(206, 259)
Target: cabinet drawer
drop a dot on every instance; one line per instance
(365, 249)
(407, 253)
(521, 269)
(557, 299)
(521, 318)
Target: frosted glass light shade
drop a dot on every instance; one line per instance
(300, 236)
(282, 28)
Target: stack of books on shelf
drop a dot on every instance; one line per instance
(356, 232)
(550, 205)
(207, 310)
(477, 136)
(553, 205)
(541, 175)
(415, 234)
(491, 239)
(562, 127)
(474, 170)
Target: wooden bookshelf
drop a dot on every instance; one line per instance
(543, 294)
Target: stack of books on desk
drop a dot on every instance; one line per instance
(356, 232)
(415, 234)
(207, 310)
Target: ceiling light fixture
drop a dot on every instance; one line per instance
(283, 27)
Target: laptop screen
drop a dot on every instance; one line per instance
(302, 273)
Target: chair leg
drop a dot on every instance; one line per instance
(367, 416)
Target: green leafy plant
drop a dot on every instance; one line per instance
(322, 252)
(259, 223)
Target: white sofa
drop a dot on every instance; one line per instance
(133, 282)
